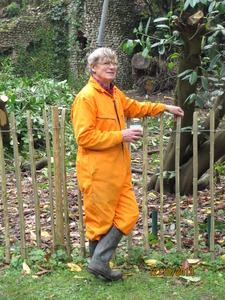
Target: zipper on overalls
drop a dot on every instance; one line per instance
(117, 116)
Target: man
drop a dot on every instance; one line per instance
(103, 160)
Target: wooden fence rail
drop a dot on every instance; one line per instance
(59, 211)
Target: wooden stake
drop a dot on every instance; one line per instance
(81, 223)
(177, 172)
(161, 184)
(212, 140)
(58, 182)
(46, 128)
(195, 182)
(64, 179)
(4, 200)
(34, 181)
(18, 185)
(144, 186)
(129, 239)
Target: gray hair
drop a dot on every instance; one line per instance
(101, 53)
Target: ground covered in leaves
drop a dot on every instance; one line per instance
(187, 230)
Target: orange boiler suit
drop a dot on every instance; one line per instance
(103, 159)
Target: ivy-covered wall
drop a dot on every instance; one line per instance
(86, 17)
(56, 40)
(19, 32)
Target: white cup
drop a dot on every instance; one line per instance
(136, 126)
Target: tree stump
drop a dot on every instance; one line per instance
(4, 121)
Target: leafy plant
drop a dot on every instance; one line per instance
(37, 94)
(166, 39)
(13, 9)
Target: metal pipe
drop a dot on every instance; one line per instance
(102, 23)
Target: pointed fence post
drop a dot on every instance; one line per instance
(18, 185)
(4, 200)
(177, 171)
(212, 140)
(64, 177)
(47, 139)
(144, 186)
(81, 223)
(58, 182)
(34, 181)
(161, 183)
(129, 238)
(195, 182)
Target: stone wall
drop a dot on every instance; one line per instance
(119, 26)
(120, 23)
(19, 32)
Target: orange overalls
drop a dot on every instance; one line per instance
(103, 160)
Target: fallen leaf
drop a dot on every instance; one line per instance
(192, 261)
(43, 272)
(128, 275)
(151, 262)
(223, 257)
(45, 234)
(26, 269)
(191, 278)
(74, 267)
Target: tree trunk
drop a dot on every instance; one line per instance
(186, 172)
(191, 31)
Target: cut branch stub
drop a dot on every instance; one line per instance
(3, 118)
(140, 62)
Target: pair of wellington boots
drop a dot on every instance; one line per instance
(101, 252)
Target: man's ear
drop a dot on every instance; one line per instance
(92, 68)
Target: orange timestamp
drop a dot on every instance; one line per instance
(179, 271)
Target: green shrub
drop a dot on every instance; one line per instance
(13, 9)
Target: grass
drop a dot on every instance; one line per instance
(64, 284)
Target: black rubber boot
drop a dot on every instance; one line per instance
(92, 246)
(99, 264)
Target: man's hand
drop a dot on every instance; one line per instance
(131, 135)
(175, 110)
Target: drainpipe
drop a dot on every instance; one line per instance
(102, 24)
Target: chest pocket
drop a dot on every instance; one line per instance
(106, 122)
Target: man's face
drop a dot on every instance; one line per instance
(105, 70)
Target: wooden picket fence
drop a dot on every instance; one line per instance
(59, 205)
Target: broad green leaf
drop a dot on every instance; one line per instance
(161, 49)
(160, 20)
(145, 52)
(186, 4)
(193, 3)
(155, 44)
(205, 83)
(200, 101)
(185, 72)
(222, 70)
(211, 6)
(174, 55)
(143, 42)
(130, 47)
(190, 99)
(162, 26)
(140, 28)
(193, 77)
(147, 26)
(170, 65)
(148, 44)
